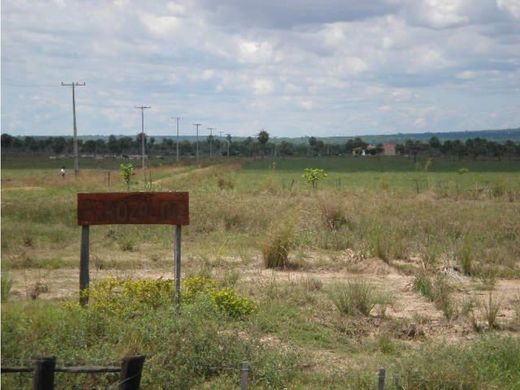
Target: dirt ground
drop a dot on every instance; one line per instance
(424, 317)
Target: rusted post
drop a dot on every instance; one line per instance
(177, 256)
(84, 266)
(43, 378)
(244, 376)
(381, 379)
(131, 370)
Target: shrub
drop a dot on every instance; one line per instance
(355, 298)
(126, 296)
(231, 303)
(313, 175)
(126, 170)
(275, 250)
(122, 297)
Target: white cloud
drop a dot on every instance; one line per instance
(510, 6)
(362, 66)
(263, 86)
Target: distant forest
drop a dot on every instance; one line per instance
(262, 145)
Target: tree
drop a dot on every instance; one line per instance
(114, 145)
(313, 175)
(263, 137)
(285, 149)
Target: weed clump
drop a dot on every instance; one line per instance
(437, 290)
(275, 251)
(466, 258)
(332, 214)
(356, 298)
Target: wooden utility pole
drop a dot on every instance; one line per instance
(75, 129)
(197, 143)
(177, 118)
(142, 108)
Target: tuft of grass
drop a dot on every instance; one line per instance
(7, 284)
(275, 251)
(437, 290)
(225, 184)
(490, 310)
(355, 298)
(332, 213)
(423, 284)
(127, 244)
(466, 258)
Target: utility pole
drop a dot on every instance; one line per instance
(220, 143)
(76, 153)
(228, 140)
(211, 141)
(197, 126)
(142, 108)
(178, 118)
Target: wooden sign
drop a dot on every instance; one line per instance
(170, 208)
(103, 208)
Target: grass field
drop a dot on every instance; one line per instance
(411, 266)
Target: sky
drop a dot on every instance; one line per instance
(294, 67)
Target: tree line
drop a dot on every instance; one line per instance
(262, 145)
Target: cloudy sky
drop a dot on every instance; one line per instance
(294, 67)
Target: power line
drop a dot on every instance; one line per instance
(75, 129)
(142, 108)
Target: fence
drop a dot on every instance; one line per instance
(131, 369)
(44, 368)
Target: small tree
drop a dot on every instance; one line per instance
(263, 138)
(313, 175)
(126, 170)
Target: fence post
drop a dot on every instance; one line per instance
(381, 376)
(177, 258)
(131, 369)
(84, 266)
(244, 376)
(43, 378)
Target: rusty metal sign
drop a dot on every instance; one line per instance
(169, 208)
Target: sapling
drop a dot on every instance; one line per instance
(127, 170)
(313, 175)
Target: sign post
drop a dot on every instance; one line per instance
(105, 208)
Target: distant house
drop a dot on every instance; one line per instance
(389, 149)
(359, 151)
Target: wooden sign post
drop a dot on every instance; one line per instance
(105, 208)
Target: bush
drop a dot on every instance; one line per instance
(275, 250)
(128, 297)
(313, 175)
(228, 301)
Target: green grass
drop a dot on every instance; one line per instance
(296, 338)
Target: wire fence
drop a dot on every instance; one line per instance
(131, 367)
(44, 370)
